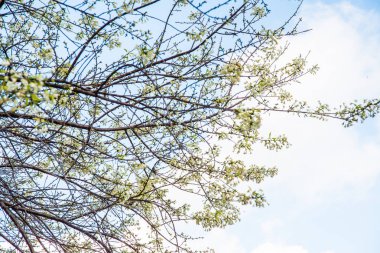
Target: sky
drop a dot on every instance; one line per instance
(326, 196)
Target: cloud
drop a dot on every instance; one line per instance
(275, 248)
(344, 43)
(220, 241)
(272, 248)
(327, 162)
(269, 226)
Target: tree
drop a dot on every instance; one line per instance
(110, 108)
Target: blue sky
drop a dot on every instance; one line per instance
(326, 197)
(366, 4)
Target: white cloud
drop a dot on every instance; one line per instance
(327, 162)
(344, 43)
(221, 242)
(272, 248)
(280, 248)
(269, 226)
